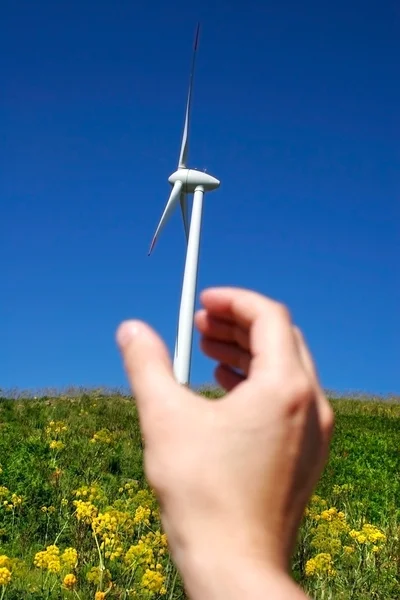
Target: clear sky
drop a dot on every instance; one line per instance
(295, 110)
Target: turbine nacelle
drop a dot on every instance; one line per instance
(192, 178)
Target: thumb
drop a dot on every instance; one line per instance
(148, 366)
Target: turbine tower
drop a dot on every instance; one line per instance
(187, 181)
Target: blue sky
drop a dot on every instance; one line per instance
(295, 110)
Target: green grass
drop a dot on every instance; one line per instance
(365, 459)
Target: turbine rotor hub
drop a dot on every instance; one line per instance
(192, 178)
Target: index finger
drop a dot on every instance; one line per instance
(272, 343)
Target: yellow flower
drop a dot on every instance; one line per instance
(103, 436)
(373, 534)
(94, 575)
(4, 491)
(320, 565)
(48, 559)
(369, 534)
(56, 445)
(153, 581)
(348, 549)
(69, 581)
(92, 493)
(145, 498)
(56, 427)
(70, 558)
(54, 565)
(40, 559)
(99, 596)
(4, 561)
(16, 500)
(5, 576)
(140, 553)
(85, 511)
(142, 515)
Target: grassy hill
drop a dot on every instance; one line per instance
(78, 521)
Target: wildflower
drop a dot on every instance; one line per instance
(92, 493)
(40, 559)
(94, 575)
(116, 554)
(140, 553)
(56, 445)
(16, 500)
(4, 561)
(142, 515)
(338, 490)
(56, 427)
(70, 558)
(153, 581)
(155, 539)
(348, 549)
(321, 564)
(5, 576)
(99, 596)
(373, 534)
(368, 534)
(329, 531)
(54, 565)
(103, 436)
(107, 525)
(69, 581)
(48, 559)
(145, 499)
(85, 511)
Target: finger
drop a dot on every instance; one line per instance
(221, 329)
(324, 408)
(229, 354)
(149, 369)
(227, 378)
(272, 342)
(305, 355)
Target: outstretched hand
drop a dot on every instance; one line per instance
(232, 475)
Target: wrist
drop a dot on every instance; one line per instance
(222, 577)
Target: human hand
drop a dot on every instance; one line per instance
(232, 475)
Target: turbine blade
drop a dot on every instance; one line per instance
(185, 138)
(168, 210)
(185, 215)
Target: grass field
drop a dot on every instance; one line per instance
(77, 520)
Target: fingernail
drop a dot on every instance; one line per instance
(126, 332)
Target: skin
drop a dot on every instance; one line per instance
(232, 476)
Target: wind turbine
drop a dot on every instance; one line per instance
(187, 181)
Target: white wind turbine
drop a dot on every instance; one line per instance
(187, 181)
